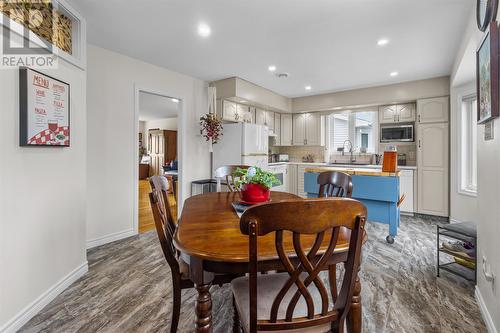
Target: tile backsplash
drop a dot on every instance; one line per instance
(296, 153)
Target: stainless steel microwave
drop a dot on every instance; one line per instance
(397, 133)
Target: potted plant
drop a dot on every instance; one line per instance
(255, 184)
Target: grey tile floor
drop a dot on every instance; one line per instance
(128, 289)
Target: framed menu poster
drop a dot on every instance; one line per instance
(44, 110)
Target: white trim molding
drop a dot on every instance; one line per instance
(48, 296)
(490, 325)
(91, 243)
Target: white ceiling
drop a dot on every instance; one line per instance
(152, 107)
(328, 44)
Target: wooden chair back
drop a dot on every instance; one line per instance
(322, 218)
(161, 184)
(334, 184)
(227, 172)
(165, 226)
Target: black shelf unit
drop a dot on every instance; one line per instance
(465, 232)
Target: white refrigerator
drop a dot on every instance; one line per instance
(242, 144)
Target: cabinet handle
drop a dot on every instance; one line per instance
(419, 144)
(418, 118)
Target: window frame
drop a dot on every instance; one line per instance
(466, 100)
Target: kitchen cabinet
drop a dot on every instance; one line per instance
(286, 127)
(266, 118)
(406, 187)
(433, 110)
(398, 113)
(308, 130)
(292, 178)
(277, 129)
(301, 170)
(235, 112)
(432, 164)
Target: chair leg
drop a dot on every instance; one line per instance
(176, 309)
(236, 318)
(338, 326)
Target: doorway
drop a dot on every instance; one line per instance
(158, 143)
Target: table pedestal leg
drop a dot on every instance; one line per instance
(354, 317)
(203, 309)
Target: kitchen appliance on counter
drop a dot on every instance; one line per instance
(397, 133)
(242, 144)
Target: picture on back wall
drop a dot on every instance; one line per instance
(487, 75)
(44, 110)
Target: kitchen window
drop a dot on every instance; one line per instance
(468, 146)
(361, 128)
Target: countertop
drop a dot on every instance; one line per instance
(354, 171)
(346, 166)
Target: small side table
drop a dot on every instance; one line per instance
(465, 232)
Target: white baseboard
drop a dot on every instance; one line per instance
(37, 305)
(452, 220)
(484, 311)
(110, 238)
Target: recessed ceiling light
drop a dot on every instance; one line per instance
(394, 74)
(175, 100)
(204, 30)
(243, 101)
(272, 68)
(382, 42)
(308, 87)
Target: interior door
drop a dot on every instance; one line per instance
(171, 146)
(432, 162)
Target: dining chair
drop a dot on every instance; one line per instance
(297, 300)
(334, 184)
(226, 172)
(165, 228)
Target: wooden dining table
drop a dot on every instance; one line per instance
(209, 239)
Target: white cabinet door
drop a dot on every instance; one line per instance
(433, 110)
(432, 163)
(314, 130)
(229, 111)
(406, 113)
(277, 129)
(299, 129)
(300, 181)
(387, 114)
(286, 129)
(260, 117)
(243, 113)
(270, 120)
(252, 114)
(406, 188)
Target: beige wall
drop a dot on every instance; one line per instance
(401, 92)
(485, 210)
(112, 144)
(42, 205)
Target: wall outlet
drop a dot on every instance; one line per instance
(488, 274)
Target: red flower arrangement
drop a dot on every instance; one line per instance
(211, 127)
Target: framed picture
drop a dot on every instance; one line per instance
(44, 110)
(487, 75)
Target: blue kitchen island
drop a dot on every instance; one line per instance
(378, 190)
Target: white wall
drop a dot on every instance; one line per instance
(42, 205)
(487, 215)
(112, 79)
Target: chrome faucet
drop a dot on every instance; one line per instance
(351, 150)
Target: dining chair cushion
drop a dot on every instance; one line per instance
(268, 286)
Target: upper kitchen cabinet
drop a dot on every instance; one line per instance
(433, 110)
(243, 114)
(277, 129)
(308, 129)
(235, 112)
(399, 113)
(266, 118)
(286, 129)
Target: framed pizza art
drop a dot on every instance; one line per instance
(44, 110)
